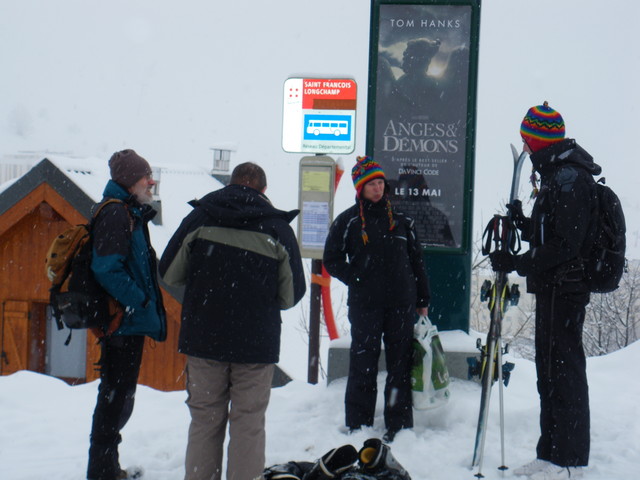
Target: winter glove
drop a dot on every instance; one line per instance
(516, 214)
(502, 261)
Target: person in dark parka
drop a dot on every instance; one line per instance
(124, 263)
(239, 261)
(557, 232)
(374, 250)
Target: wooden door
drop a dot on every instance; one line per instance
(15, 336)
(37, 337)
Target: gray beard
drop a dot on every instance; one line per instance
(144, 199)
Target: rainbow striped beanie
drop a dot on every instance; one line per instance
(365, 170)
(542, 126)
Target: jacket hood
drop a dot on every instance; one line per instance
(239, 205)
(115, 190)
(563, 153)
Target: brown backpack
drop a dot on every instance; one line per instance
(77, 299)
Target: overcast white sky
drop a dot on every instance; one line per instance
(171, 80)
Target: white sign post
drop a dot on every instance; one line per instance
(319, 115)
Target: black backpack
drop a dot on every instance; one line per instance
(77, 300)
(604, 259)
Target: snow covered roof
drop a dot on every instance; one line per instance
(179, 183)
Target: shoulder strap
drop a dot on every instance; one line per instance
(100, 206)
(594, 220)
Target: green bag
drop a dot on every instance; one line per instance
(429, 373)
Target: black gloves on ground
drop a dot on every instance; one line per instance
(503, 261)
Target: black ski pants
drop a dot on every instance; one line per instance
(119, 368)
(562, 378)
(368, 327)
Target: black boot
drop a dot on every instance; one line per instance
(290, 470)
(375, 459)
(103, 461)
(390, 435)
(333, 463)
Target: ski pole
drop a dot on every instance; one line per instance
(501, 396)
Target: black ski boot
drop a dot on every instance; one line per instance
(290, 471)
(131, 473)
(375, 459)
(333, 463)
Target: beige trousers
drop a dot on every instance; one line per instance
(220, 392)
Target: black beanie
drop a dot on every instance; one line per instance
(127, 167)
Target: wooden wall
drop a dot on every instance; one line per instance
(26, 231)
(25, 234)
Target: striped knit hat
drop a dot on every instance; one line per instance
(365, 170)
(541, 127)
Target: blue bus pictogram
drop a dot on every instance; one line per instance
(327, 127)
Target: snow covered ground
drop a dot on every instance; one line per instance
(172, 79)
(44, 426)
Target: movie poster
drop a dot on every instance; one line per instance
(421, 114)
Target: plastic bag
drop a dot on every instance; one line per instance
(429, 373)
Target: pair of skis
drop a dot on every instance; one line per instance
(502, 233)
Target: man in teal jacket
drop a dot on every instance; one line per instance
(124, 263)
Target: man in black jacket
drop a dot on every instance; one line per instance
(557, 232)
(375, 252)
(239, 260)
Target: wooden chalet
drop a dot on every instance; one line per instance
(33, 210)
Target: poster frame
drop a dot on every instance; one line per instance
(464, 243)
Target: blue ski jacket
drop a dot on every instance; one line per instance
(124, 263)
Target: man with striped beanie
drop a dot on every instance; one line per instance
(558, 235)
(541, 127)
(374, 250)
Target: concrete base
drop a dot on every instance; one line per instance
(457, 345)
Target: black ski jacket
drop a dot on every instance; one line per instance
(386, 272)
(560, 219)
(239, 260)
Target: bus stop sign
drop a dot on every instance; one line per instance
(319, 115)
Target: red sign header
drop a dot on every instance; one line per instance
(329, 94)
